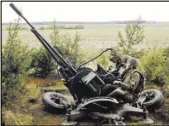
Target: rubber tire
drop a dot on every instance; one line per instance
(154, 103)
(53, 107)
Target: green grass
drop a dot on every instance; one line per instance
(16, 118)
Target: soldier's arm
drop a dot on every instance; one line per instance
(133, 83)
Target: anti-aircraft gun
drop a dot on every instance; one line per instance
(85, 86)
(82, 82)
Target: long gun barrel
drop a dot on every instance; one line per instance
(70, 70)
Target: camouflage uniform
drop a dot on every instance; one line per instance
(130, 81)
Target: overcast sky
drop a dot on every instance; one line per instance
(87, 11)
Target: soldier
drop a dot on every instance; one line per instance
(130, 85)
(130, 81)
(118, 72)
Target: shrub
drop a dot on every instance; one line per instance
(166, 65)
(155, 66)
(16, 60)
(152, 63)
(134, 35)
(42, 63)
(69, 47)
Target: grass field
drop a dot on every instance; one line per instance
(99, 35)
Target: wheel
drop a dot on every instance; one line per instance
(56, 102)
(154, 98)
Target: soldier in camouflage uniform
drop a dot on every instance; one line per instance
(130, 80)
(119, 72)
